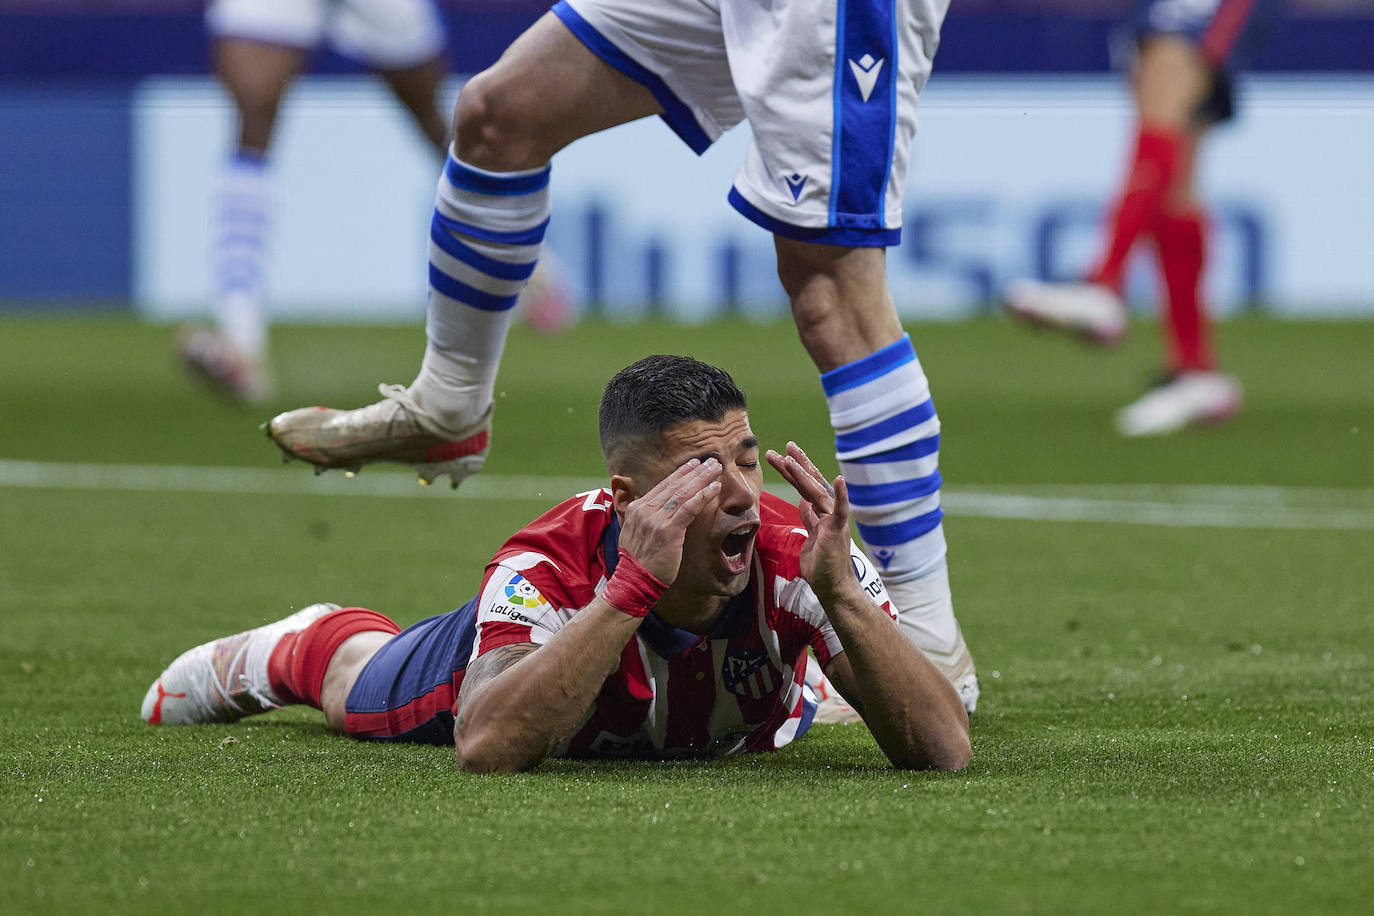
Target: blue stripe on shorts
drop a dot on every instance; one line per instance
(866, 58)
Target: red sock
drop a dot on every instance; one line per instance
(1158, 152)
(298, 663)
(1181, 241)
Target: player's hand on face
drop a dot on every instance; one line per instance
(824, 508)
(655, 525)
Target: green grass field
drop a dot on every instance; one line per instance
(1174, 639)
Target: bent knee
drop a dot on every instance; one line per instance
(487, 756)
(956, 756)
(496, 127)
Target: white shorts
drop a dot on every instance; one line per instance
(829, 89)
(383, 34)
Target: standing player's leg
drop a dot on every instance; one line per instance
(1192, 389)
(417, 88)
(546, 301)
(491, 211)
(1170, 80)
(887, 436)
(1179, 89)
(826, 173)
(233, 357)
(1181, 248)
(403, 42)
(1177, 86)
(1169, 83)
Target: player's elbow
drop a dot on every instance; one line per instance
(483, 751)
(952, 754)
(492, 763)
(946, 749)
(946, 759)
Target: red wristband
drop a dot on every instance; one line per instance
(633, 589)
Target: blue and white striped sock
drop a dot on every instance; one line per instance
(483, 245)
(887, 439)
(240, 250)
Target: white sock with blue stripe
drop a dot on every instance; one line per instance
(484, 243)
(887, 439)
(240, 250)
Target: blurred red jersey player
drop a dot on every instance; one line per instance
(1184, 53)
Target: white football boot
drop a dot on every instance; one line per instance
(1089, 310)
(926, 617)
(957, 666)
(225, 679)
(390, 430)
(1186, 399)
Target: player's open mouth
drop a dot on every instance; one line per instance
(736, 547)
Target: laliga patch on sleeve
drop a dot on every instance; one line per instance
(511, 598)
(869, 580)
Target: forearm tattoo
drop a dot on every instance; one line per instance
(489, 664)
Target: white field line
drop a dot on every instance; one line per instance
(1179, 506)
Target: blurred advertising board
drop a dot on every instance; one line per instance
(1009, 179)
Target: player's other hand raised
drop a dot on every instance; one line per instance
(654, 526)
(824, 509)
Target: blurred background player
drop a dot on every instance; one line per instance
(825, 174)
(259, 47)
(1181, 86)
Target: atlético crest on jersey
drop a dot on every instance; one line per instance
(746, 672)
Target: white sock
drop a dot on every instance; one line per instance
(927, 610)
(240, 251)
(887, 439)
(484, 244)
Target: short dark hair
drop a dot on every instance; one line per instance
(648, 398)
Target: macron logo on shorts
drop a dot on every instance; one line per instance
(866, 71)
(795, 183)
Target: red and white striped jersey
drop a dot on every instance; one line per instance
(675, 693)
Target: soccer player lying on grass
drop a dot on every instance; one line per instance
(667, 615)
